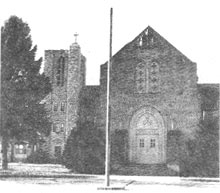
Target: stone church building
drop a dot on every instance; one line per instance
(154, 93)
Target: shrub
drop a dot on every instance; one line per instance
(201, 156)
(39, 157)
(85, 149)
(119, 148)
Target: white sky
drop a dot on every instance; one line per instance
(192, 26)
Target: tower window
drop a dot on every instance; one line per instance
(55, 107)
(54, 127)
(60, 71)
(57, 151)
(62, 127)
(57, 128)
(141, 143)
(62, 107)
(152, 143)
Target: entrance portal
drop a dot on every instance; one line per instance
(147, 137)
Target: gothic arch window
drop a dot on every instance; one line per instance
(141, 78)
(60, 71)
(62, 106)
(146, 39)
(54, 127)
(55, 106)
(154, 77)
(147, 78)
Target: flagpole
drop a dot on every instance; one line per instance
(108, 142)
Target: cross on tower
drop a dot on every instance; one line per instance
(76, 34)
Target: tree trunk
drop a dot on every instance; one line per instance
(12, 150)
(4, 152)
(32, 148)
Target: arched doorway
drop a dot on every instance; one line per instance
(147, 137)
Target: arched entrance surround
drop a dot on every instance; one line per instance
(147, 137)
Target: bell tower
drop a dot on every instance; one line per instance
(75, 81)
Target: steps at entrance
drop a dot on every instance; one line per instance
(145, 170)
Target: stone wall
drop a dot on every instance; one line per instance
(56, 97)
(176, 97)
(62, 102)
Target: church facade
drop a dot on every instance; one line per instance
(153, 95)
(153, 91)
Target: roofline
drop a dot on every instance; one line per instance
(157, 34)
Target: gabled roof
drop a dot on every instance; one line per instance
(46, 99)
(150, 30)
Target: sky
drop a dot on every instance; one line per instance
(192, 26)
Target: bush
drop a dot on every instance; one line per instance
(119, 148)
(39, 157)
(201, 157)
(85, 149)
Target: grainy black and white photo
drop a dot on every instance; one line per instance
(109, 95)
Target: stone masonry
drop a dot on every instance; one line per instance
(154, 95)
(149, 75)
(66, 69)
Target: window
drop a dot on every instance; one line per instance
(20, 149)
(154, 77)
(55, 127)
(62, 128)
(62, 108)
(60, 71)
(55, 107)
(147, 77)
(152, 143)
(57, 151)
(141, 78)
(141, 143)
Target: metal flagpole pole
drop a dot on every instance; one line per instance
(108, 143)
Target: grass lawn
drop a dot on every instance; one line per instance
(35, 170)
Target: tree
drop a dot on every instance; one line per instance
(22, 87)
(202, 153)
(85, 149)
(202, 157)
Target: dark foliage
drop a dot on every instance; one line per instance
(173, 145)
(39, 157)
(119, 148)
(23, 86)
(210, 96)
(85, 149)
(202, 157)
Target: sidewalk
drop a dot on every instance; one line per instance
(48, 172)
(23, 170)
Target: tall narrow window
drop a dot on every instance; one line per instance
(152, 143)
(141, 78)
(154, 77)
(54, 127)
(141, 143)
(57, 151)
(58, 74)
(55, 107)
(62, 128)
(60, 71)
(62, 107)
